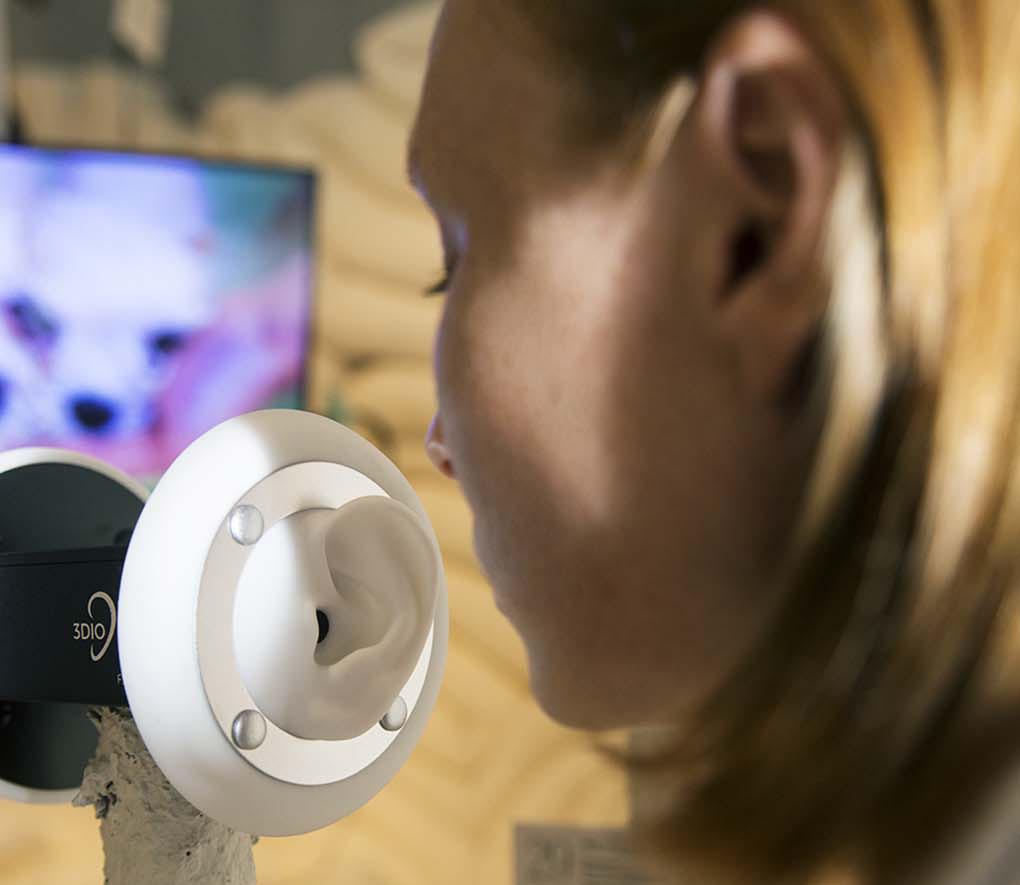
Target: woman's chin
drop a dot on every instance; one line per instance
(563, 703)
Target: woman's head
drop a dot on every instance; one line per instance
(619, 356)
(706, 375)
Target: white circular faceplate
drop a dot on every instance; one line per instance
(175, 637)
(313, 484)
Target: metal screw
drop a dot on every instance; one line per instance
(249, 729)
(396, 717)
(246, 524)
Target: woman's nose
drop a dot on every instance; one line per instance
(435, 449)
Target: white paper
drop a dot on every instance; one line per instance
(565, 855)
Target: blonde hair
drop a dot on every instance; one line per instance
(884, 698)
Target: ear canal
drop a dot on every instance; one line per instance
(748, 248)
(364, 580)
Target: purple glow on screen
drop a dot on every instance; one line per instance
(144, 299)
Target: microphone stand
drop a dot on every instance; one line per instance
(150, 832)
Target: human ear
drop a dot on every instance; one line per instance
(768, 122)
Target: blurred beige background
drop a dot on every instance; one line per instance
(489, 758)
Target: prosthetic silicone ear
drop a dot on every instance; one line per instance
(280, 615)
(333, 608)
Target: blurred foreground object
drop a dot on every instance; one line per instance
(150, 833)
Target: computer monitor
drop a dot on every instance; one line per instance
(144, 299)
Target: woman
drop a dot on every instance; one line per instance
(727, 372)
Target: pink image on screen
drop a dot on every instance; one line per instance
(144, 300)
(251, 352)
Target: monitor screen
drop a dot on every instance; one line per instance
(144, 299)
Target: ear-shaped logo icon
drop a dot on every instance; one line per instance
(99, 594)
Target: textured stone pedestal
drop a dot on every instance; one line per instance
(150, 833)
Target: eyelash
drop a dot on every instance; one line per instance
(440, 287)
